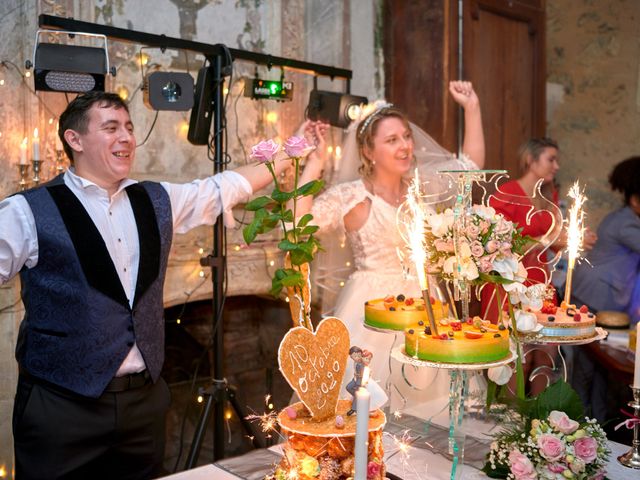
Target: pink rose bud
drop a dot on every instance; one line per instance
(296, 146)
(339, 421)
(291, 413)
(264, 151)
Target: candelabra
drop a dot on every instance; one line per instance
(36, 171)
(24, 171)
(631, 459)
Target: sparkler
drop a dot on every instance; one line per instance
(417, 245)
(575, 235)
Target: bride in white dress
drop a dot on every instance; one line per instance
(384, 148)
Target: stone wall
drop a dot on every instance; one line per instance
(593, 72)
(331, 32)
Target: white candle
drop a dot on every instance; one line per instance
(363, 397)
(23, 152)
(58, 141)
(636, 369)
(36, 145)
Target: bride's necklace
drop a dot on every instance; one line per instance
(390, 198)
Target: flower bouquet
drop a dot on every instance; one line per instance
(549, 441)
(486, 248)
(298, 239)
(489, 247)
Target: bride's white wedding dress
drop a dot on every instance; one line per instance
(378, 273)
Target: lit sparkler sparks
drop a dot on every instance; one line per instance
(575, 235)
(417, 245)
(403, 447)
(268, 421)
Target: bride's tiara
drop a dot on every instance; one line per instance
(369, 112)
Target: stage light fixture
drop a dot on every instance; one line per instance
(337, 109)
(269, 89)
(168, 91)
(69, 68)
(201, 113)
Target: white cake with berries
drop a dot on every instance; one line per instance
(565, 322)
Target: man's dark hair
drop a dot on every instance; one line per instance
(76, 115)
(355, 349)
(625, 178)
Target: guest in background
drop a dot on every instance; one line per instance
(91, 248)
(539, 160)
(609, 281)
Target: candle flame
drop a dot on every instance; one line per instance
(575, 228)
(416, 230)
(24, 142)
(35, 133)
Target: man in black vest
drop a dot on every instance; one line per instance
(91, 248)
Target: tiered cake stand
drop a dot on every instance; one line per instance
(551, 372)
(458, 390)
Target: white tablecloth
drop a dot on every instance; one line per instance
(421, 465)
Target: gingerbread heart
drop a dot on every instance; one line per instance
(314, 364)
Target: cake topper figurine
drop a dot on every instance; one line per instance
(360, 373)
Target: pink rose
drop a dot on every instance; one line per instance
(484, 226)
(477, 250)
(556, 467)
(503, 227)
(296, 146)
(373, 469)
(264, 151)
(521, 466)
(472, 231)
(562, 423)
(485, 264)
(600, 475)
(551, 447)
(492, 246)
(505, 248)
(586, 449)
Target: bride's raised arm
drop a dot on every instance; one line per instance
(473, 143)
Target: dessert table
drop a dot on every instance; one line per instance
(428, 456)
(420, 466)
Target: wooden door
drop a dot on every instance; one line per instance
(502, 54)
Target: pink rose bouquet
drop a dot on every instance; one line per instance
(488, 250)
(279, 209)
(556, 447)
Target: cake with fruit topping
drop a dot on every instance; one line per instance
(400, 312)
(565, 322)
(473, 341)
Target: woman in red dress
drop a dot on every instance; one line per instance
(516, 199)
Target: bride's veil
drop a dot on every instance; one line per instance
(334, 265)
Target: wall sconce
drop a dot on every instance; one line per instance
(69, 68)
(337, 109)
